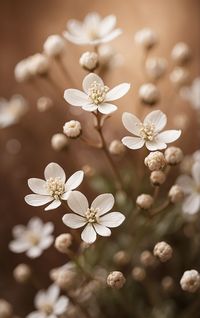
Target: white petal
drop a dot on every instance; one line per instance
(107, 24)
(78, 202)
(37, 199)
(102, 230)
(196, 172)
(53, 170)
(74, 221)
(133, 142)
(89, 80)
(53, 293)
(46, 242)
(90, 107)
(107, 108)
(18, 230)
(75, 97)
(40, 298)
(34, 252)
(155, 145)
(54, 205)
(168, 136)
(61, 305)
(112, 219)
(88, 235)
(111, 36)
(35, 224)
(158, 118)
(104, 203)
(48, 228)
(36, 314)
(131, 123)
(186, 183)
(80, 40)
(65, 196)
(75, 27)
(191, 204)
(74, 181)
(117, 92)
(38, 186)
(18, 246)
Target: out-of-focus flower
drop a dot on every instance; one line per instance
(44, 103)
(22, 273)
(116, 280)
(138, 273)
(95, 218)
(192, 93)
(6, 310)
(11, 111)
(190, 281)
(116, 147)
(147, 259)
(65, 276)
(96, 95)
(149, 132)
(181, 53)
(54, 188)
(21, 71)
(155, 67)
(146, 37)
(72, 129)
(89, 61)
(149, 93)
(176, 194)
(173, 155)
(54, 45)
(38, 64)
(93, 30)
(59, 142)
(33, 238)
(191, 188)
(121, 258)
(63, 242)
(180, 77)
(49, 304)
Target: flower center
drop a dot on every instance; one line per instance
(147, 131)
(97, 92)
(33, 238)
(55, 187)
(93, 34)
(91, 215)
(47, 309)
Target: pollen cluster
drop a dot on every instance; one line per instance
(97, 92)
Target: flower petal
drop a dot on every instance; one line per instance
(18, 246)
(90, 107)
(89, 80)
(54, 205)
(88, 235)
(155, 145)
(75, 27)
(133, 142)
(53, 293)
(74, 181)
(92, 21)
(107, 108)
(18, 230)
(37, 199)
(61, 305)
(191, 204)
(38, 186)
(75, 97)
(112, 219)
(48, 228)
(46, 242)
(76, 39)
(104, 203)
(35, 224)
(34, 252)
(131, 123)
(107, 24)
(168, 136)
(111, 36)
(65, 196)
(78, 202)
(53, 170)
(186, 183)
(102, 230)
(117, 92)
(158, 118)
(196, 172)
(74, 221)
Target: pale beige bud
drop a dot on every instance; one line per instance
(121, 258)
(149, 94)
(146, 37)
(167, 283)
(190, 281)
(176, 194)
(59, 142)
(180, 77)
(44, 103)
(147, 259)
(38, 64)
(157, 177)
(72, 129)
(116, 147)
(22, 72)
(144, 201)
(6, 310)
(173, 155)
(54, 45)
(181, 53)
(155, 161)
(116, 280)
(88, 170)
(63, 242)
(138, 273)
(155, 67)
(22, 273)
(89, 61)
(163, 251)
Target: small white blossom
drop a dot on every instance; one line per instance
(96, 95)
(54, 188)
(155, 67)
(72, 129)
(49, 304)
(192, 93)
(146, 37)
(54, 45)
(33, 238)
(93, 30)
(149, 132)
(95, 218)
(191, 188)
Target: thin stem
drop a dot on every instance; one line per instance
(160, 208)
(90, 142)
(64, 71)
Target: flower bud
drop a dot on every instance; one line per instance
(63, 242)
(156, 67)
(116, 280)
(167, 283)
(6, 310)
(147, 259)
(190, 281)
(22, 72)
(22, 273)
(88, 170)
(176, 194)
(89, 61)
(163, 251)
(38, 64)
(149, 94)
(179, 77)
(138, 274)
(181, 53)
(59, 142)
(157, 177)
(116, 147)
(146, 38)
(155, 161)
(44, 103)
(144, 201)
(121, 258)
(66, 278)
(72, 129)
(54, 45)
(173, 155)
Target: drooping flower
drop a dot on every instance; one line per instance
(149, 132)
(54, 188)
(33, 238)
(192, 93)
(96, 95)
(93, 30)
(95, 218)
(49, 304)
(191, 188)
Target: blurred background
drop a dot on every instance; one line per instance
(25, 148)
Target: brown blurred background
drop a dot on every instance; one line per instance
(24, 25)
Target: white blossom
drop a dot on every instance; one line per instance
(192, 93)
(33, 238)
(146, 37)
(54, 45)
(149, 132)
(95, 95)
(54, 188)
(95, 218)
(93, 30)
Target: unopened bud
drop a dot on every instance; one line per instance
(163, 251)
(138, 273)
(190, 281)
(89, 61)
(116, 280)
(59, 142)
(116, 147)
(63, 242)
(173, 155)
(149, 94)
(72, 129)
(144, 201)
(121, 258)
(22, 273)
(181, 53)
(176, 194)
(157, 177)
(147, 259)
(6, 310)
(155, 161)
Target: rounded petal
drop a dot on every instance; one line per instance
(131, 123)
(117, 92)
(168, 136)
(196, 172)
(61, 305)
(76, 39)
(186, 183)
(158, 118)
(92, 21)
(37, 199)
(107, 108)
(112, 219)
(53, 293)
(35, 223)
(46, 242)
(53, 170)
(36, 314)
(73, 221)
(102, 230)
(104, 203)
(78, 202)
(75, 97)
(65, 196)
(18, 230)
(34, 252)
(133, 142)
(48, 228)
(107, 24)
(191, 204)
(88, 235)
(38, 186)
(54, 205)
(89, 80)
(75, 27)
(155, 145)
(90, 107)
(18, 246)
(111, 36)
(74, 181)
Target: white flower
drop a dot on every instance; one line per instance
(146, 37)
(95, 218)
(33, 238)
(54, 188)
(149, 132)
(54, 45)
(191, 188)
(192, 93)
(49, 304)
(93, 30)
(96, 95)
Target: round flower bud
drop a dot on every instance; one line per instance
(116, 280)
(63, 242)
(155, 161)
(156, 67)
(22, 273)
(121, 258)
(38, 64)
(176, 194)
(72, 129)
(190, 281)
(181, 53)
(88, 171)
(173, 155)
(59, 142)
(6, 310)
(179, 77)
(54, 45)
(116, 147)
(157, 177)
(147, 259)
(149, 94)
(144, 201)
(65, 278)
(167, 283)
(44, 103)
(163, 251)
(22, 72)
(89, 61)
(146, 37)
(138, 273)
